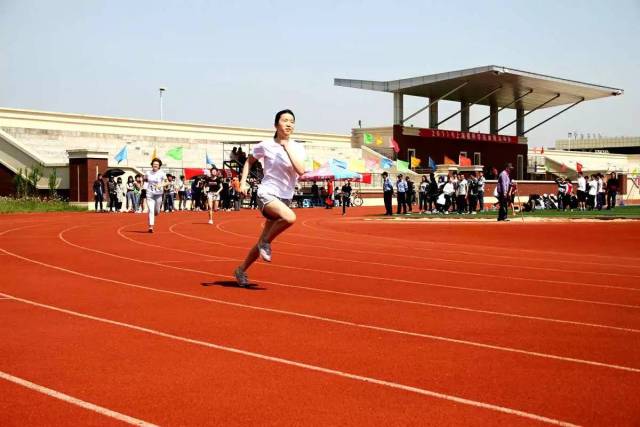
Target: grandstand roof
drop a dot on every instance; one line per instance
(508, 84)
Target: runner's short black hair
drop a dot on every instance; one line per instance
(155, 159)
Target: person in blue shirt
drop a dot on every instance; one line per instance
(401, 187)
(387, 191)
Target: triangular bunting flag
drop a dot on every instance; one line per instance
(402, 166)
(122, 155)
(432, 164)
(448, 161)
(393, 144)
(154, 155)
(175, 153)
(578, 167)
(368, 138)
(415, 162)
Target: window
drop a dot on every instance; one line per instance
(520, 168)
(477, 159)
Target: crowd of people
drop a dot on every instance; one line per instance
(456, 193)
(590, 192)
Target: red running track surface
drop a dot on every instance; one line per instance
(357, 321)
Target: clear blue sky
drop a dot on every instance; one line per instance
(237, 63)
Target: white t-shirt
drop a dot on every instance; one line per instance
(154, 182)
(593, 187)
(582, 184)
(280, 177)
(462, 187)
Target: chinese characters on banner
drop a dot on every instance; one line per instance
(472, 136)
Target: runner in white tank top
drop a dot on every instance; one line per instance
(154, 182)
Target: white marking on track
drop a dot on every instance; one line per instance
(302, 365)
(395, 300)
(320, 318)
(73, 400)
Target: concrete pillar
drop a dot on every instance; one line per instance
(464, 116)
(433, 116)
(398, 109)
(519, 121)
(84, 166)
(493, 120)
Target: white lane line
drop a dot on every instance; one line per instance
(414, 282)
(331, 320)
(302, 365)
(1, 298)
(432, 257)
(73, 400)
(436, 244)
(395, 300)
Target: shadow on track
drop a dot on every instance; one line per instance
(232, 284)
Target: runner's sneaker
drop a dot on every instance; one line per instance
(265, 251)
(241, 277)
(211, 221)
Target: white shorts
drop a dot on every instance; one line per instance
(213, 197)
(265, 198)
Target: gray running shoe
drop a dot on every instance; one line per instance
(241, 277)
(265, 251)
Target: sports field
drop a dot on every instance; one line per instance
(357, 321)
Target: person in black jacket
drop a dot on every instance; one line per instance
(346, 196)
(113, 194)
(98, 192)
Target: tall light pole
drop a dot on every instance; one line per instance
(569, 138)
(162, 89)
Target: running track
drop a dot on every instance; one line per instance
(356, 322)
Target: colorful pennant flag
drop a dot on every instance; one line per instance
(208, 160)
(386, 163)
(415, 162)
(393, 144)
(448, 161)
(368, 138)
(379, 140)
(122, 155)
(356, 165)
(563, 168)
(402, 166)
(579, 167)
(432, 164)
(371, 165)
(316, 165)
(155, 153)
(175, 153)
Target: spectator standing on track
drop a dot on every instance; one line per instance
(315, 194)
(283, 163)
(214, 187)
(448, 190)
(561, 193)
(401, 188)
(98, 193)
(387, 191)
(155, 181)
(593, 192)
(113, 194)
(432, 193)
(503, 188)
(329, 196)
(601, 192)
(473, 194)
(462, 193)
(253, 184)
(411, 192)
(121, 194)
(182, 194)
(612, 190)
(346, 196)
(481, 183)
(137, 192)
(225, 195)
(422, 194)
(582, 191)
(170, 194)
(131, 200)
